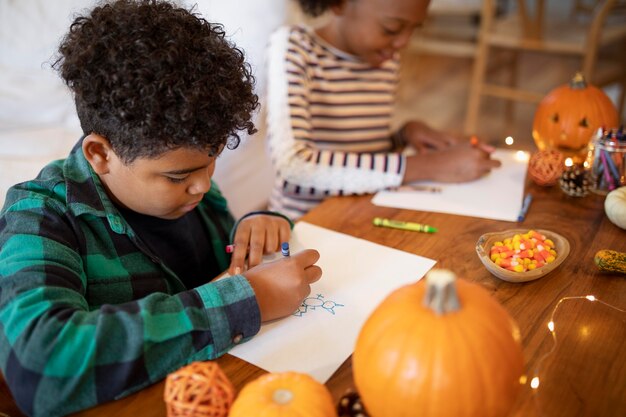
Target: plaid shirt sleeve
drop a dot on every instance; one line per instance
(59, 352)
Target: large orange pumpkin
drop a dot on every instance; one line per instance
(441, 347)
(569, 116)
(284, 394)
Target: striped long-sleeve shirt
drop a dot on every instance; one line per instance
(87, 312)
(329, 117)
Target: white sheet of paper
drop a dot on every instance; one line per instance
(497, 196)
(356, 276)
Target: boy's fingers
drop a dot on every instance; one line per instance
(240, 251)
(284, 235)
(313, 273)
(238, 258)
(307, 257)
(257, 245)
(271, 241)
(304, 291)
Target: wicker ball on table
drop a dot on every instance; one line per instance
(199, 389)
(545, 167)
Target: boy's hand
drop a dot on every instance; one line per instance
(280, 286)
(257, 235)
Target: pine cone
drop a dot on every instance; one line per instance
(350, 405)
(575, 181)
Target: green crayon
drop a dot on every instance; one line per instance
(396, 224)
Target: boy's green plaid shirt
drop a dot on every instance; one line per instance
(87, 313)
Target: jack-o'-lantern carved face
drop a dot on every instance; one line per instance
(569, 116)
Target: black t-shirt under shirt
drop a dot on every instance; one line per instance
(182, 244)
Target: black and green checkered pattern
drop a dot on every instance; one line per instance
(87, 313)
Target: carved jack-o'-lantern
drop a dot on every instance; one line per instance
(570, 115)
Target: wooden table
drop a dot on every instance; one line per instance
(581, 325)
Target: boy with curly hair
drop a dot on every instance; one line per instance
(107, 257)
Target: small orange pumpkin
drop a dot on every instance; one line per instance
(457, 353)
(284, 394)
(569, 116)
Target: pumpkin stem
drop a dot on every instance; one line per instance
(441, 295)
(282, 396)
(578, 82)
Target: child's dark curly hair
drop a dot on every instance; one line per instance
(315, 8)
(151, 77)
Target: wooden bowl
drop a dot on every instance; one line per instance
(487, 240)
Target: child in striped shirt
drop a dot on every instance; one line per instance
(330, 98)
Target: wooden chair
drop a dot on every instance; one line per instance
(451, 28)
(586, 34)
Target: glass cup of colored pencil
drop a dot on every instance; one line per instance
(608, 161)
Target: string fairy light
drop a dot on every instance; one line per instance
(522, 156)
(535, 381)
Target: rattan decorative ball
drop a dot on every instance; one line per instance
(575, 181)
(545, 167)
(199, 389)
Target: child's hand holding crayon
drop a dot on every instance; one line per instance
(458, 163)
(475, 142)
(422, 137)
(257, 235)
(463, 163)
(280, 286)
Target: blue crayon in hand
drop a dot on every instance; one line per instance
(284, 248)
